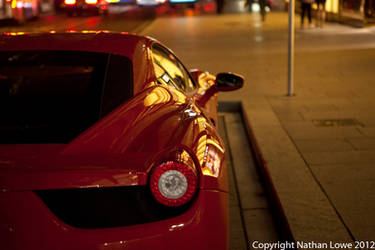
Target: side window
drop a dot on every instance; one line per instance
(169, 70)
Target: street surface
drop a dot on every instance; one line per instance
(128, 18)
(120, 18)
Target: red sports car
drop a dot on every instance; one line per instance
(108, 142)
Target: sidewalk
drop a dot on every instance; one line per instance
(319, 146)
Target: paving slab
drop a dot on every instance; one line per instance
(324, 145)
(353, 157)
(363, 143)
(297, 132)
(350, 189)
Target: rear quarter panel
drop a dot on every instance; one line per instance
(152, 125)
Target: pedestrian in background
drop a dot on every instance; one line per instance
(306, 9)
(262, 6)
(249, 5)
(219, 6)
(321, 12)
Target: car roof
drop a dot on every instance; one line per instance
(122, 43)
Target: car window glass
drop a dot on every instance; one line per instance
(161, 75)
(118, 85)
(50, 96)
(170, 71)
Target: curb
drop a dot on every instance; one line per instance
(277, 210)
(278, 214)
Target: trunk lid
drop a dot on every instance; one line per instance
(46, 166)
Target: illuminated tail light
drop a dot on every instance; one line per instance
(91, 1)
(70, 2)
(173, 183)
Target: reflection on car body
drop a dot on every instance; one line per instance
(108, 142)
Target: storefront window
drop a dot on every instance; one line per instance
(352, 6)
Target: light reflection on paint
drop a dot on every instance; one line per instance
(179, 96)
(13, 33)
(212, 167)
(190, 113)
(205, 80)
(90, 32)
(201, 149)
(201, 145)
(215, 144)
(157, 96)
(176, 227)
(113, 245)
(208, 151)
(184, 156)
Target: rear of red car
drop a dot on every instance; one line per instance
(88, 163)
(86, 6)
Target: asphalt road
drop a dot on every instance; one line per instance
(128, 18)
(120, 18)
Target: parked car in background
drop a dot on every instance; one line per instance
(188, 3)
(108, 142)
(78, 7)
(150, 2)
(122, 2)
(19, 10)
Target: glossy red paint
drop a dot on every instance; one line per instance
(159, 123)
(33, 226)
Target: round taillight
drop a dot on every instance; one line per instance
(173, 183)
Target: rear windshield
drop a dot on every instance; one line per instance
(53, 96)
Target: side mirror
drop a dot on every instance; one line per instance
(229, 81)
(223, 82)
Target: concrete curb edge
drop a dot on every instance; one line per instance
(277, 210)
